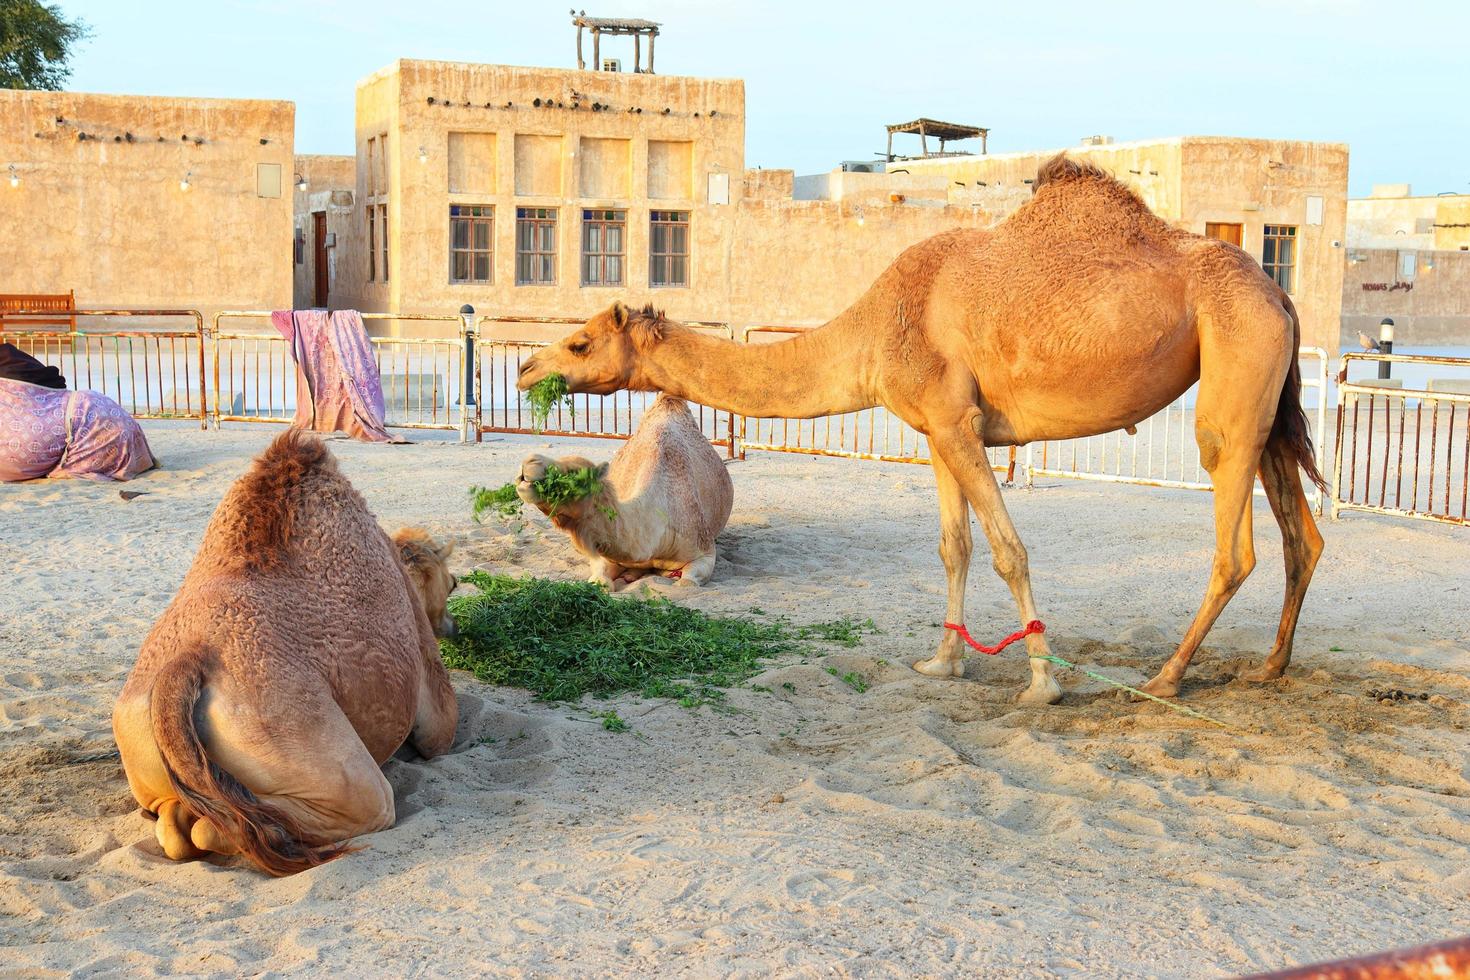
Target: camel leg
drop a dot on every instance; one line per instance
(605, 573)
(437, 714)
(955, 546)
(1300, 542)
(698, 571)
(964, 455)
(321, 775)
(1236, 406)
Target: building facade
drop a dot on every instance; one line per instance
(1284, 202)
(1408, 259)
(140, 201)
(547, 192)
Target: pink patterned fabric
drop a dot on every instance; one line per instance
(338, 388)
(58, 433)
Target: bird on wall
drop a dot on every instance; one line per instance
(1367, 342)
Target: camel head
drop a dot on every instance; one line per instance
(427, 564)
(568, 514)
(602, 356)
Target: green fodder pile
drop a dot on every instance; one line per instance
(543, 397)
(563, 640)
(558, 487)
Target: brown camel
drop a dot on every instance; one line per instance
(296, 658)
(1081, 313)
(665, 497)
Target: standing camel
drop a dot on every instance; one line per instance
(1081, 313)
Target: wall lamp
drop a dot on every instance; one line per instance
(300, 182)
(14, 177)
(423, 155)
(860, 217)
(184, 184)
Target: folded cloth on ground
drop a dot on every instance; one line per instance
(59, 433)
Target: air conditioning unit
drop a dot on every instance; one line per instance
(612, 64)
(1096, 140)
(863, 166)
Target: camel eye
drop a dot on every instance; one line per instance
(579, 348)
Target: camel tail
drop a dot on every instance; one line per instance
(1291, 431)
(262, 832)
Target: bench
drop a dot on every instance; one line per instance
(47, 311)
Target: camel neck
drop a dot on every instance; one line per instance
(826, 371)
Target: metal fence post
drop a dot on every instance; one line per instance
(466, 390)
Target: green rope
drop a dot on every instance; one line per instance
(1172, 706)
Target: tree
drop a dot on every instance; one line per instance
(36, 40)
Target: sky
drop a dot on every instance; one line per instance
(823, 79)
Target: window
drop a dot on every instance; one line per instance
(1408, 266)
(1224, 232)
(668, 252)
(603, 250)
(383, 236)
(471, 243)
(372, 243)
(1278, 256)
(535, 246)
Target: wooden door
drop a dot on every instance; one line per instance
(319, 256)
(1224, 231)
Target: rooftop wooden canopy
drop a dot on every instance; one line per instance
(599, 26)
(946, 132)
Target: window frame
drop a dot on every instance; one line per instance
(663, 260)
(482, 214)
(602, 255)
(1237, 239)
(535, 218)
(1271, 238)
(383, 236)
(372, 223)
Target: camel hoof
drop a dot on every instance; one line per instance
(935, 667)
(1263, 674)
(1161, 687)
(1049, 692)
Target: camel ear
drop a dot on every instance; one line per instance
(602, 471)
(446, 549)
(407, 554)
(619, 315)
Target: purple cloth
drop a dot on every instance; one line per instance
(338, 388)
(58, 433)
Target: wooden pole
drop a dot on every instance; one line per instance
(580, 63)
(636, 54)
(596, 49)
(890, 146)
(651, 36)
(923, 140)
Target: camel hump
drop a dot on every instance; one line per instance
(267, 496)
(670, 403)
(1062, 168)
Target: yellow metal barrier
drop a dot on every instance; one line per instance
(422, 379)
(153, 374)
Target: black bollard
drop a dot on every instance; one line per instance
(468, 312)
(1385, 345)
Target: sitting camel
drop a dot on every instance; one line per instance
(1081, 313)
(298, 655)
(665, 498)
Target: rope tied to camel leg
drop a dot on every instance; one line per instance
(1035, 626)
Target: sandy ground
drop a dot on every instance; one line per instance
(922, 827)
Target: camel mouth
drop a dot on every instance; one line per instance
(529, 373)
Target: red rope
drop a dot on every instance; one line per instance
(1035, 626)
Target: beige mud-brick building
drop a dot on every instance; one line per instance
(1408, 258)
(546, 192)
(141, 201)
(1284, 202)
